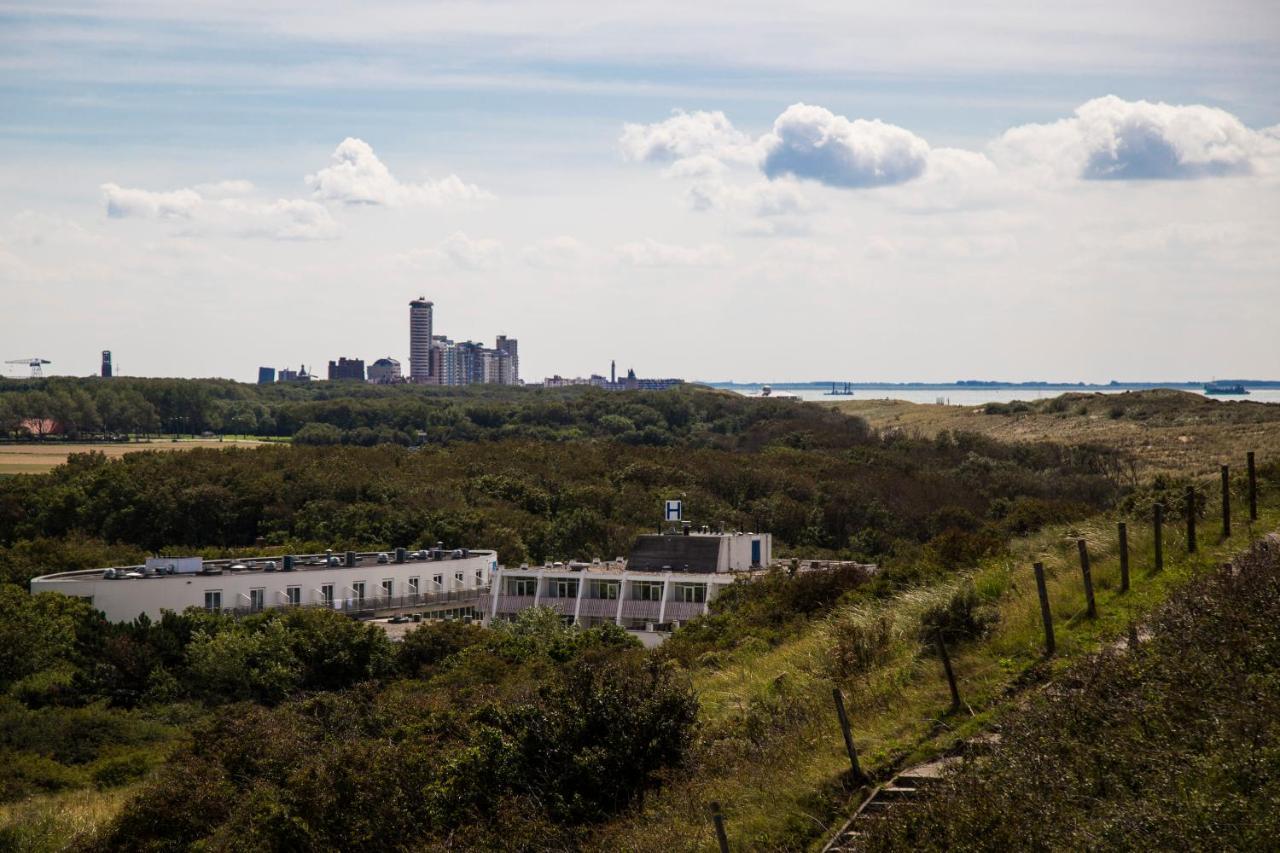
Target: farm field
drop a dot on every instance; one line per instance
(37, 458)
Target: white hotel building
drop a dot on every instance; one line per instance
(435, 582)
(668, 579)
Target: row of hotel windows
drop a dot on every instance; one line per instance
(695, 593)
(293, 594)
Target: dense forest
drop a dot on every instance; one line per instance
(851, 494)
(363, 414)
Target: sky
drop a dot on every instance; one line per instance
(921, 190)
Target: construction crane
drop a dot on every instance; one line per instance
(33, 363)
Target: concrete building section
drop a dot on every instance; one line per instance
(384, 371)
(358, 584)
(667, 579)
(420, 322)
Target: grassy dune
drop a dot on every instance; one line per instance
(771, 751)
(1168, 432)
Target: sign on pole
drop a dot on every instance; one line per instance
(675, 511)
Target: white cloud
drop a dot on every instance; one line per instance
(683, 137)
(281, 219)
(561, 252)
(123, 202)
(813, 143)
(225, 189)
(357, 176)
(651, 253)
(458, 250)
(1113, 139)
(762, 198)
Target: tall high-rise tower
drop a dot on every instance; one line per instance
(420, 340)
(511, 347)
(106, 363)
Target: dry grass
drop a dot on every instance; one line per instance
(59, 821)
(1169, 432)
(37, 457)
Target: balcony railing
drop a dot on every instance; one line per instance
(683, 610)
(563, 606)
(641, 609)
(606, 607)
(478, 598)
(513, 603)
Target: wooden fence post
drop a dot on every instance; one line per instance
(1191, 519)
(946, 666)
(717, 818)
(1158, 531)
(848, 736)
(1253, 488)
(1124, 556)
(1226, 501)
(1088, 578)
(1049, 646)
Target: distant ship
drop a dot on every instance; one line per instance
(1224, 388)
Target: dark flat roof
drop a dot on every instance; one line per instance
(652, 552)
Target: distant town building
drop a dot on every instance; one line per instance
(299, 375)
(106, 363)
(347, 369)
(266, 375)
(384, 371)
(630, 382)
(420, 339)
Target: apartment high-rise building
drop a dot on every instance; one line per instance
(420, 340)
(266, 375)
(511, 347)
(106, 363)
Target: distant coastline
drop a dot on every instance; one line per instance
(972, 384)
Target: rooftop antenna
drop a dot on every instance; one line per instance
(33, 363)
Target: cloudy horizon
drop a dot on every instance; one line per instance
(1064, 196)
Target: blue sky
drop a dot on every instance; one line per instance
(825, 190)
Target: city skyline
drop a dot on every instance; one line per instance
(869, 194)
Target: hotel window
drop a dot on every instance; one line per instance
(326, 593)
(438, 580)
(607, 590)
(646, 590)
(693, 593)
(294, 594)
(457, 576)
(388, 587)
(213, 599)
(413, 586)
(524, 586)
(566, 589)
(256, 598)
(357, 590)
